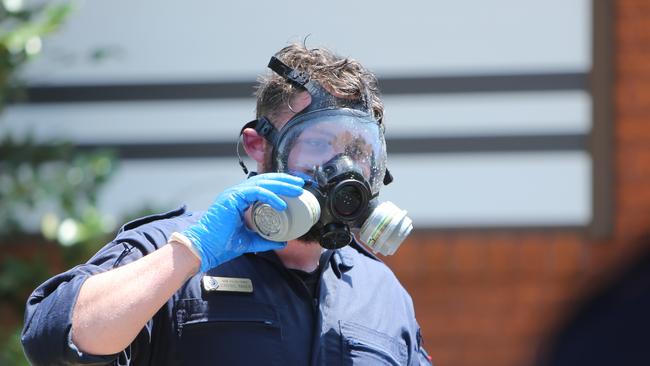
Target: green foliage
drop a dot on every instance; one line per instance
(18, 277)
(21, 30)
(54, 180)
(12, 352)
(48, 193)
(54, 186)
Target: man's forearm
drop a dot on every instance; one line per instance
(114, 306)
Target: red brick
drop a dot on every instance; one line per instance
(632, 9)
(467, 258)
(565, 258)
(633, 165)
(634, 131)
(533, 256)
(495, 299)
(500, 256)
(633, 96)
(634, 199)
(529, 294)
(438, 259)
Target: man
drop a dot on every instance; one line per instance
(190, 289)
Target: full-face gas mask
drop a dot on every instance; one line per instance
(338, 147)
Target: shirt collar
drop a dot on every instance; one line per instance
(342, 258)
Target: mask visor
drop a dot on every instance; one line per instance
(310, 140)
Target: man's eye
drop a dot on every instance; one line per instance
(314, 143)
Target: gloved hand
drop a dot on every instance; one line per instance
(221, 234)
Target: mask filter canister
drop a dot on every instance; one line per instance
(386, 228)
(301, 214)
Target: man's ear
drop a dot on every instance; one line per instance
(254, 144)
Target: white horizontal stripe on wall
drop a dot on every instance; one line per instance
(166, 184)
(551, 112)
(220, 120)
(132, 122)
(215, 40)
(495, 189)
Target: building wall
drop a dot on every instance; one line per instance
(492, 297)
(487, 102)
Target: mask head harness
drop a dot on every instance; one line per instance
(346, 197)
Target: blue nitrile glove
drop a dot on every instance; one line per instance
(221, 234)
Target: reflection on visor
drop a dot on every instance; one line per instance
(314, 138)
(312, 148)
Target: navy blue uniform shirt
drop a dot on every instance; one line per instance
(362, 314)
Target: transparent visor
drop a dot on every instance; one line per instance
(314, 138)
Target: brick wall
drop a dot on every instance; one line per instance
(491, 297)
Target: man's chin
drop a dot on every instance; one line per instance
(307, 242)
(311, 237)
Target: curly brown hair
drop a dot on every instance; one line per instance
(343, 77)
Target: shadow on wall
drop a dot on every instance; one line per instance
(612, 327)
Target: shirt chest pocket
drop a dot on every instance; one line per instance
(365, 346)
(226, 333)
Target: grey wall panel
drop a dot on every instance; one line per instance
(201, 41)
(197, 40)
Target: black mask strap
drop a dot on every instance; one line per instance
(264, 128)
(320, 98)
(250, 124)
(388, 178)
(296, 78)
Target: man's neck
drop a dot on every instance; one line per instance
(300, 255)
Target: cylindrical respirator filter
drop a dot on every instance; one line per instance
(301, 214)
(386, 228)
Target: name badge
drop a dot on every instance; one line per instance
(227, 284)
